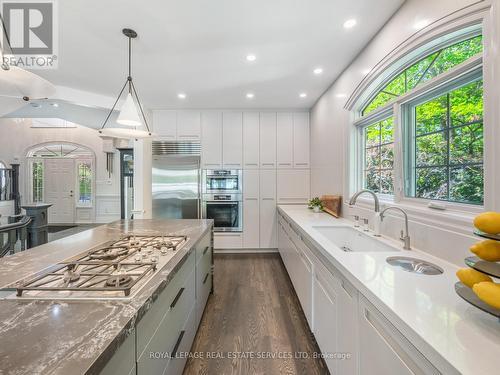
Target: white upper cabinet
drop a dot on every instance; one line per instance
(232, 140)
(211, 145)
(165, 124)
(177, 125)
(293, 185)
(301, 140)
(268, 140)
(284, 140)
(188, 125)
(251, 137)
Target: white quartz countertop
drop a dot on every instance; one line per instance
(424, 308)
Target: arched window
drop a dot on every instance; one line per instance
(425, 69)
(441, 127)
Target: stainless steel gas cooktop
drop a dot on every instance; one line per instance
(117, 270)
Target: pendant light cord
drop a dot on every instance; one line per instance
(131, 89)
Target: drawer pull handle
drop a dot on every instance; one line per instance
(206, 249)
(177, 344)
(206, 277)
(176, 299)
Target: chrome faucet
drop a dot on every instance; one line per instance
(352, 202)
(404, 237)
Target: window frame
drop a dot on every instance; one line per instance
(408, 132)
(396, 108)
(32, 161)
(79, 204)
(366, 121)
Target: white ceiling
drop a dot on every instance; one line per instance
(199, 46)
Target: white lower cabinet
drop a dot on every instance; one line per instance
(228, 240)
(384, 350)
(354, 337)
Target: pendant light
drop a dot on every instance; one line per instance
(18, 83)
(131, 114)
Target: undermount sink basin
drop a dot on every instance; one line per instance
(415, 265)
(351, 240)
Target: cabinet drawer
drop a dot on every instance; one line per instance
(228, 241)
(183, 344)
(155, 357)
(203, 288)
(123, 361)
(151, 320)
(204, 247)
(384, 349)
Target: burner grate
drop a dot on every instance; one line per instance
(112, 268)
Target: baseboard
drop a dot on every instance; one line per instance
(244, 251)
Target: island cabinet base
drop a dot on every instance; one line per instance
(162, 338)
(354, 337)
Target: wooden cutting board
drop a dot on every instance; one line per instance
(332, 204)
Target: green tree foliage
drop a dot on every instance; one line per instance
(449, 146)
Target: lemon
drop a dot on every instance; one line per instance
(488, 222)
(470, 276)
(488, 250)
(488, 292)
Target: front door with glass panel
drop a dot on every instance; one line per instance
(59, 181)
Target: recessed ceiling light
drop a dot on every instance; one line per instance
(350, 23)
(181, 95)
(303, 95)
(421, 24)
(54, 105)
(251, 57)
(341, 95)
(318, 71)
(250, 95)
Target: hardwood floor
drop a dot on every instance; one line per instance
(253, 312)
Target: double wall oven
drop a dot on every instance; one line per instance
(222, 199)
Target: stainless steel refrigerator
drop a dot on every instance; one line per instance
(176, 187)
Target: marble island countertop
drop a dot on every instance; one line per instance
(426, 309)
(78, 337)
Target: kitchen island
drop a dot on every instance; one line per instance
(106, 335)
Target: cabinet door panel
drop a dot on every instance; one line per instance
(268, 223)
(188, 125)
(301, 136)
(384, 350)
(284, 140)
(251, 217)
(165, 124)
(268, 140)
(211, 144)
(251, 223)
(325, 318)
(293, 186)
(251, 140)
(232, 140)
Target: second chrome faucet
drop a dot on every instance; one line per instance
(379, 216)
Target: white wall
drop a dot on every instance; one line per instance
(331, 124)
(16, 137)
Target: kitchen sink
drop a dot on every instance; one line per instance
(415, 265)
(352, 240)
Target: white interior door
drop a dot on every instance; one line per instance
(59, 183)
